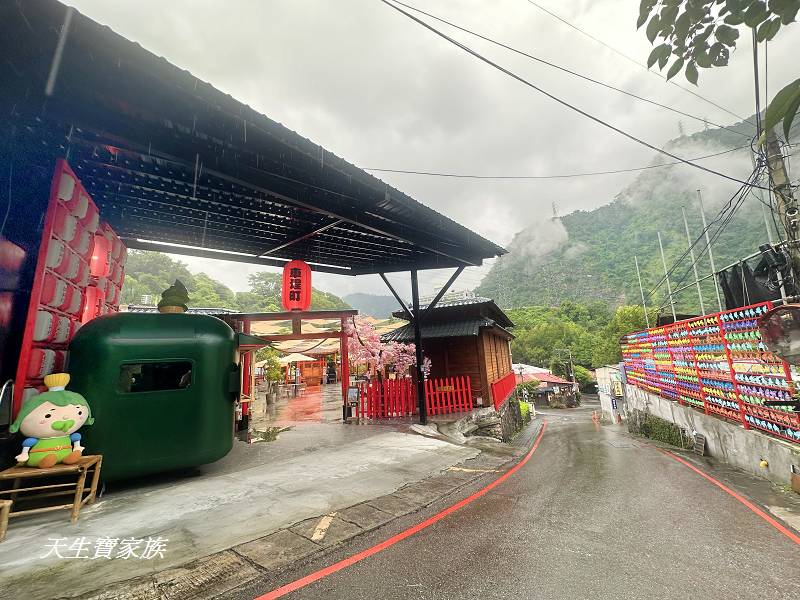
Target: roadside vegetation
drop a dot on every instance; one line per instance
(590, 331)
(525, 411)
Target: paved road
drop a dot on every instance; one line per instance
(593, 514)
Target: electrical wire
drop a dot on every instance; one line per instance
(560, 176)
(725, 216)
(720, 216)
(703, 252)
(556, 98)
(636, 62)
(566, 70)
(731, 208)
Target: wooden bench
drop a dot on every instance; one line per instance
(30, 483)
(5, 509)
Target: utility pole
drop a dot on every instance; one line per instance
(666, 276)
(559, 352)
(641, 290)
(694, 262)
(787, 206)
(708, 248)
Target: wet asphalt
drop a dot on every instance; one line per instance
(595, 513)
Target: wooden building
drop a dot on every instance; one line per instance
(465, 336)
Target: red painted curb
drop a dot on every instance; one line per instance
(784, 530)
(351, 560)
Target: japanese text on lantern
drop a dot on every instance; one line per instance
(296, 285)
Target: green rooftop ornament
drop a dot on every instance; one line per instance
(174, 299)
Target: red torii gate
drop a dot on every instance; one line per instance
(241, 322)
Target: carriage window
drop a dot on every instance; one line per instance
(155, 376)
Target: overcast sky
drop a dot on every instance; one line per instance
(379, 90)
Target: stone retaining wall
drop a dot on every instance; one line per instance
(725, 440)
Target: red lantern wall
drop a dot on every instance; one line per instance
(78, 277)
(296, 285)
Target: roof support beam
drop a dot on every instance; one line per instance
(302, 237)
(397, 297)
(229, 256)
(421, 399)
(298, 193)
(442, 292)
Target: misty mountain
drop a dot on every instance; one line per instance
(589, 255)
(380, 307)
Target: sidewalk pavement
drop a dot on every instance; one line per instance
(258, 508)
(218, 576)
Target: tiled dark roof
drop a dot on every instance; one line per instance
(468, 327)
(459, 306)
(444, 302)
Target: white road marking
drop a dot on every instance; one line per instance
(322, 527)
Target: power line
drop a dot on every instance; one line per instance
(742, 196)
(725, 215)
(566, 70)
(636, 62)
(722, 214)
(556, 98)
(561, 176)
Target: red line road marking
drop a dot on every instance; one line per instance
(785, 531)
(351, 560)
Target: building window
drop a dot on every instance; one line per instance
(155, 376)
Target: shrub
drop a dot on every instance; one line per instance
(531, 386)
(525, 410)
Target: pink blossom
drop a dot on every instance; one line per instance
(365, 347)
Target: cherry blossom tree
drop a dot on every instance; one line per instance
(365, 347)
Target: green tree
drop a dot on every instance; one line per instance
(210, 293)
(584, 378)
(151, 273)
(272, 369)
(702, 33)
(627, 319)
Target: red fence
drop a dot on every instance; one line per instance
(717, 363)
(387, 398)
(398, 397)
(448, 395)
(502, 389)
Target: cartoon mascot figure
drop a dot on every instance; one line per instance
(50, 422)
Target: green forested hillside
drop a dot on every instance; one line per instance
(152, 272)
(589, 331)
(592, 255)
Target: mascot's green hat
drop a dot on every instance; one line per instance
(57, 395)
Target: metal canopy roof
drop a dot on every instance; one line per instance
(169, 159)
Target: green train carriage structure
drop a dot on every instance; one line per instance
(162, 388)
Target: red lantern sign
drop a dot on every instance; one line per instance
(296, 285)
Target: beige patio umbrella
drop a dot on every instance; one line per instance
(294, 357)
